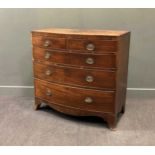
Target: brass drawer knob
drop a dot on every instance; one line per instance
(47, 43)
(47, 55)
(90, 47)
(89, 78)
(88, 100)
(90, 61)
(48, 72)
(48, 92)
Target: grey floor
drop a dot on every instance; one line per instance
(21, 125)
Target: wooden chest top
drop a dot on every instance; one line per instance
(81, 32)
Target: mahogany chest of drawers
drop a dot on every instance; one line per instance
(81, 72)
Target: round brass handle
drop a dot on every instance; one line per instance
(48, 72)
(48, 92)
(89, 78)
(90, 61)
(47, 55)
(88, 100)
(47, 43)
(90, 47)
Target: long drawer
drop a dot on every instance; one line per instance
(107, 61)
(100, 79)
(86, 99)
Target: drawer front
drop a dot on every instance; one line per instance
(98, 46)
(76, 59)
(75, 97)
(76, 76)
(47, 42)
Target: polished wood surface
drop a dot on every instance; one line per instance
(122, 72)
(75, 97)
(102, 61)
(76, 76)
(81, 72)
(81, 32)
(48, 42)
(99, 45)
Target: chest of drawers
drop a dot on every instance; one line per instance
(81, 72)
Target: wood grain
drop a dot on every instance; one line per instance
(84, 32)
(122, 72)
(75, 97)
(75, 76)
(54, 43)
(100, 45)
(102, 61)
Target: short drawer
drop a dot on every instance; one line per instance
(99, 46)
(48, 42)
(86, 99)
(75, 76)
(107, 61)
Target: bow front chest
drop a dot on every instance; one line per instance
(81, 72)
